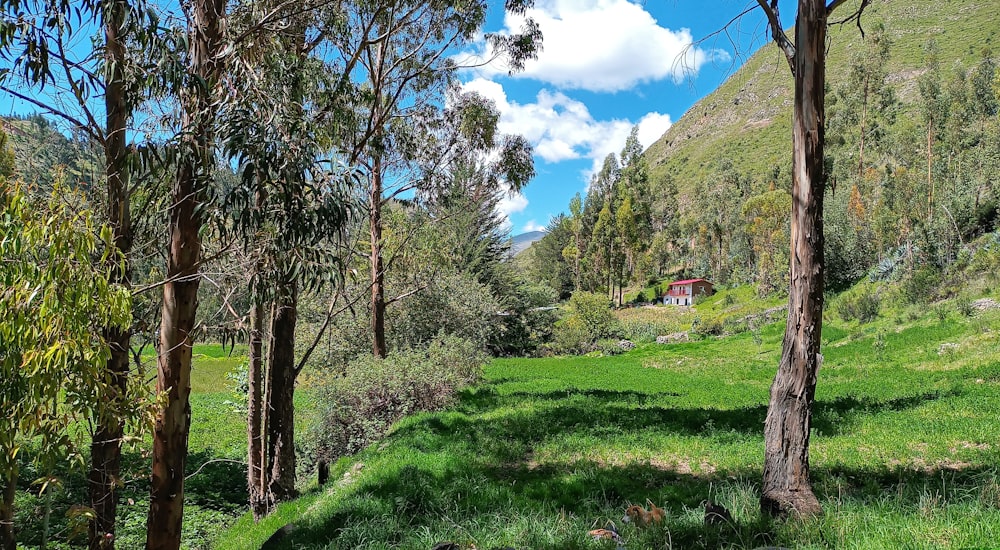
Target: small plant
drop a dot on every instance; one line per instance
(239, 386)
(879, 344)
(963, 304)
(941, 312)
(921, 286)
(862, 306)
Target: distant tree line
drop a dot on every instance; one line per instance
(907, 182)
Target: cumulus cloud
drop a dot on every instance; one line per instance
(600, 45)
(532, 226)
(561, 128)
(511, 203)
(652, 127)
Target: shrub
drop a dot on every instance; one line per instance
(594, 312)
(452, 303)
(964, 305)
(571, 337)
(359, 406)
(712, 326)
(921, 286)
(863, 306)
(609, 347)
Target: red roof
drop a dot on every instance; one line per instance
(687, 281)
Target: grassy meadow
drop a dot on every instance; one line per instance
(904, 451)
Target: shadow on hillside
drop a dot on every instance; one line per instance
(495, 479)
(630, 411)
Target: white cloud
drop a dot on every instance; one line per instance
(561, 128)
(652, 127)
(532, 226)
(600, 45)
(511, 203)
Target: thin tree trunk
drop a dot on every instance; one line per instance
(105, 448)
(864, 122)
(180, 293)
(930, 179)
(379, 348)
(786, 487)
(7, 540)
(281, 386)
(255, 436)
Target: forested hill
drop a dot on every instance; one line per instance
(747, 120)
(912, 156)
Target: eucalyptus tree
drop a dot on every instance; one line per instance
(53, 354)
(194, 161)
(103, 81)
(402, 50)
(634, 214)
(290, 207)
(786, 488)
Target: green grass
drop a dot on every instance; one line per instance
(215, 492)
(904, 450)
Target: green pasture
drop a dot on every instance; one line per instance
(904, 451)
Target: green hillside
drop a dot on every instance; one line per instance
(748, 119)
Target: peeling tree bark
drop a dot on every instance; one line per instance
(786, 488)
(379, 348)
(281, 393)
(105, 448)
(180, 293)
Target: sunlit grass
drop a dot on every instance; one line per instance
(904, 450)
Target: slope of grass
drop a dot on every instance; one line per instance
(903, 454)
(748, 118)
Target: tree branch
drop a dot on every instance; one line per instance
(85, 128)
(780, 38)
(856, 16)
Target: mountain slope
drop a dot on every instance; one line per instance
(520, 243)
(747, 120)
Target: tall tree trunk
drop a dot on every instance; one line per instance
(255, 435)
(180, 293)
(378, 270)
(930, 178)
(786, 487)
(105, 448)
(281, 390)
(7, 540)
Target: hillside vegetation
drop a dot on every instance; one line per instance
(748, 118)
(912, 133)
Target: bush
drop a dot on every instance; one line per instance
(703, 328)
(863, 306)
(609, 347)
(921, 286)
(594, 312)
(588, 320)
(571, 337)
(452, 303)
(358, 407)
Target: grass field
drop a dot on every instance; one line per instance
(904, 450)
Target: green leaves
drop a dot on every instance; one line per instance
(56, 299)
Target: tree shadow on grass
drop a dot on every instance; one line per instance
(491, 479)
(586, 494)
(629, 411)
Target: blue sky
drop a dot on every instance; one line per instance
(606, 66)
